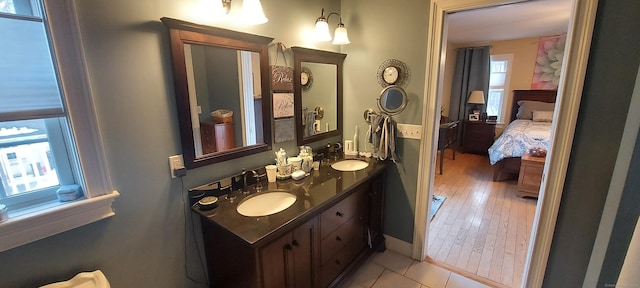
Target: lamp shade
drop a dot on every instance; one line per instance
(252, 12)
(340, 36)
(476, 97)
(322, 30)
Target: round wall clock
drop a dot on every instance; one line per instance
(393, 72)
(306, 78)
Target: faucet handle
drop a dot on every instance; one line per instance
(257, 176)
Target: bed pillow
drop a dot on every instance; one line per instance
(527, 107)
(542, 116)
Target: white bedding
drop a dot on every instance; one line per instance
(518, 138)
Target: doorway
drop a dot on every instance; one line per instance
(569, 93)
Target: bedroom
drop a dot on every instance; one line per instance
(464, 231)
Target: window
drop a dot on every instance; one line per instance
(34, 155)
(48, 132)
(498, 84)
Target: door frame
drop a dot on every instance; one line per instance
(569, 91)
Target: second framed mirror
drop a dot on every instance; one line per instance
(318, 107)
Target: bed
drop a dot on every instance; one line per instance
(520, 135)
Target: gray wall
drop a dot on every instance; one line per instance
(380, 30)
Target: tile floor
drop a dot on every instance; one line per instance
(393, 270)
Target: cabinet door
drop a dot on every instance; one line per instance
(376, 217)
(304, 242)
(277, 262)
(289, 261)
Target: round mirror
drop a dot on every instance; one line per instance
(393, 100)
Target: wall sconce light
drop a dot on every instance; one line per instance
(252, 12)
(322, 30)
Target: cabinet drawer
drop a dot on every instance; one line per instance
(350, 231)
(339, 214)
(342, 259)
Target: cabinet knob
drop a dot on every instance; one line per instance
(339, 214)
(295, 243)
(338, 238)
(338, 262)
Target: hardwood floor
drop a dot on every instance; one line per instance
(482, 229)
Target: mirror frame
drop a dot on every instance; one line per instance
(300, 55)
(182, 32)
(384, 93)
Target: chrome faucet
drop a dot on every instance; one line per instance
(256, 176)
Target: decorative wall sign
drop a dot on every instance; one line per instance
(282, 105)
(546, 74)
(284, 129)
(281, 76)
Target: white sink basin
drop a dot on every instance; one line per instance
(266, 203)
(350, 165)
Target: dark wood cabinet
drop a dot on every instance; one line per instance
(216, 137)
(376, 215)
(331, 243)
(478, 136)
(288, 260)
(343, 234)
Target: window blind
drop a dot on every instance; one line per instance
(28, 84)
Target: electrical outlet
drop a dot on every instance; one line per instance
(175, 162)
(409, 131)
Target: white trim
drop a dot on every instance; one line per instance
(397, 245)
(579, 41)
(69, 55)
(34, 226)
(618, 180)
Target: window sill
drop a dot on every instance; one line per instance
(60, 217)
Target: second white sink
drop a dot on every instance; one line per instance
(266, 203)
(350, 165)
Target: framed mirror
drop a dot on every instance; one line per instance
(319, 106)
(222, 92)
(392, 100)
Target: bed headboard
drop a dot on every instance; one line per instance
(548, 96)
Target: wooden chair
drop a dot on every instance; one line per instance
(448, 137)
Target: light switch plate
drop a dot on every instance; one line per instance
(409, 131)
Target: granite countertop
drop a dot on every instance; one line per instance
(320, 189)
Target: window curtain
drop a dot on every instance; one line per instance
(471, 73)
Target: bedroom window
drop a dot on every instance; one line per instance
(499, 85)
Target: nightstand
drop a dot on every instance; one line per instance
(478, 136)
(530, 176)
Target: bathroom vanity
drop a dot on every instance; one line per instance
(333, 226)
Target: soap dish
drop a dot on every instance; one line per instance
(208, 202)
(283, 177)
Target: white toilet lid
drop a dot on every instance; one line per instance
(95, 279)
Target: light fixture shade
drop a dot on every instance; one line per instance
(322, 30)
(340, 36)
(252, 12)
(476, 97)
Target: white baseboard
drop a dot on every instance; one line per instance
(397, 245)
